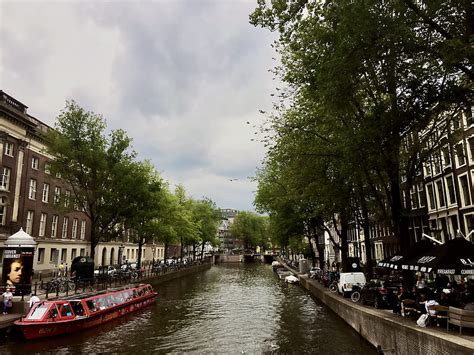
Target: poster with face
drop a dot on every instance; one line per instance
(18, 270)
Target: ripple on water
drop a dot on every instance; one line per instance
(229, 309)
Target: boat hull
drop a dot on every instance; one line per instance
(54, 328)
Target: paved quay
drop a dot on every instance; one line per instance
(393, 333)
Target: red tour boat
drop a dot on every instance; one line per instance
(55, 317)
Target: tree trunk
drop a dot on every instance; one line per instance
(141, 241)
(319, 248)
(166, 252)
(366, 228)
(344, 248)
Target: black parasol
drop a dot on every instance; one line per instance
(455, 257)
(396, 261)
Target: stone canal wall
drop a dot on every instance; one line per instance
(393, 333)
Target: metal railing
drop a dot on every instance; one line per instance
(66, 286)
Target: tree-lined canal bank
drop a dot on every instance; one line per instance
(231, 308)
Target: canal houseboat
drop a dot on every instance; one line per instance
(55, 317)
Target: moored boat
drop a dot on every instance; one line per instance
(55, 317)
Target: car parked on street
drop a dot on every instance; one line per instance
(105, 270)
(380, 294)
(349, 279)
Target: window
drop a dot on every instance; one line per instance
(440, 193)
(446, 156)
(8, 149)
(469, 118)
(35, 163)
(53, 258)
(460, 156)
(32, 191)
(83, 229)
(457, 121)
(454, 224)
(74, 228)
(67, 198)
(465, 193)
(40, 255)
(451, 191)
(65, 225)
(29, 222)
(45, 197)
(82, 252)
(421, 195)
(3, 210)
(413, 197)
(57, 195)
(469, 223)
(73, 253)
(47, 168)
(54, 226)
(42, 227)
(427, 168)
(470, 141)
(5, 179)
(436, 163)
(63, 255)
(431, 197)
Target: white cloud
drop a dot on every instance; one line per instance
(181, 77)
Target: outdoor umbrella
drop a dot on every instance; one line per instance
(396, 261)
(455, 257)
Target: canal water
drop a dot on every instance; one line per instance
(229, 309)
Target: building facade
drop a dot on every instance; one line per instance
(442, 196)
(33, 199)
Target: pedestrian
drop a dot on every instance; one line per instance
(61, 270)
(7, 301)
(33, 299)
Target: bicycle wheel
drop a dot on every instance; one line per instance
(355, 296)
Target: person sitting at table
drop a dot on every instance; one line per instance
(421, 300)
(421, 284)
(403, 294)
(430, 301)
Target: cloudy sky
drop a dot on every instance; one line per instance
(181, 77)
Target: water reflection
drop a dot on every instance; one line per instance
(232, 309)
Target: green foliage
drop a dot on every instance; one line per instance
(361, 76)
(95, 167)
(250, 229)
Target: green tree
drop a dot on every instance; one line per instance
(376, 74)
(186, 227)
(147, 203)
(95, 167)
(249, 228)
(206, 217)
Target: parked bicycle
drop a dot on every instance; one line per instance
(59, 284)
(356, 293)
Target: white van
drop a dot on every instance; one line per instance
(348, 279)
